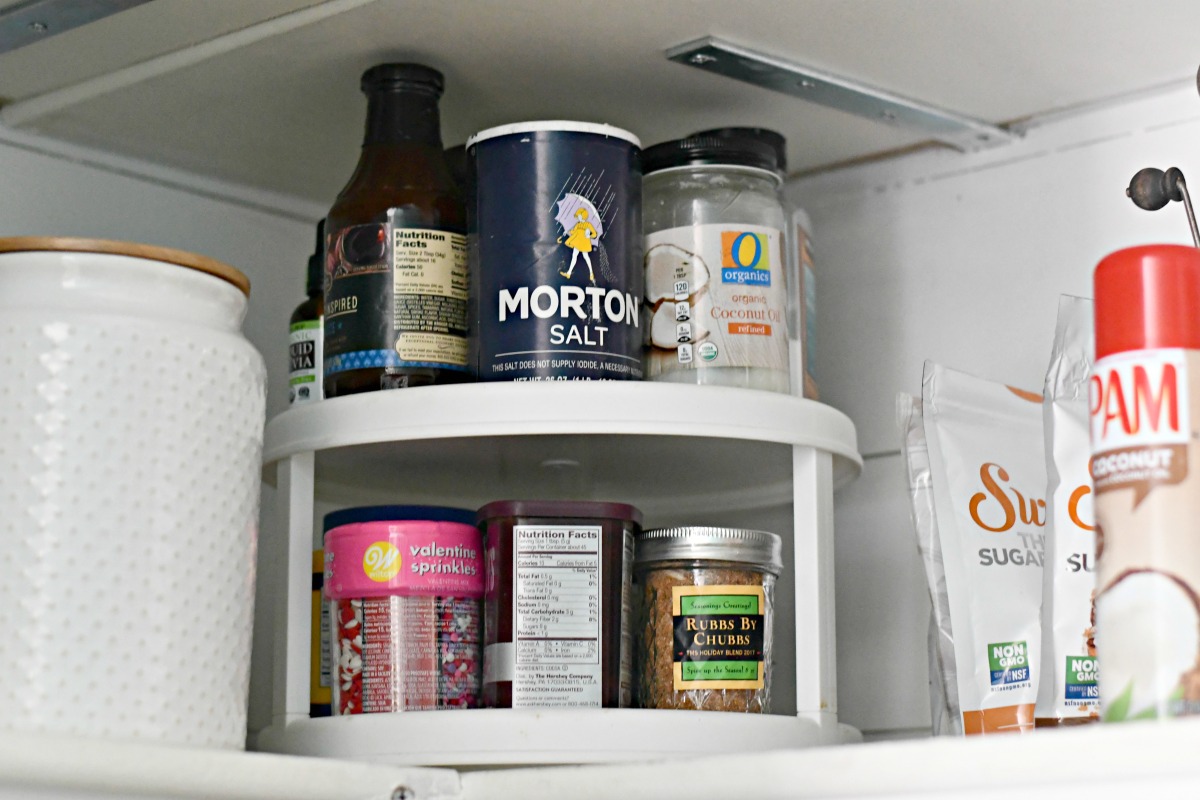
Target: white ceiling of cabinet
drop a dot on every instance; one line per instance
(284, 112)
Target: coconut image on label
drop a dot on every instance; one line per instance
(1151, 641)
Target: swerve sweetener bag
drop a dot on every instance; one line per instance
(989, 474)
(1067, 689)
(944, 708)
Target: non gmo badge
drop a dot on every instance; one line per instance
(1009, 662)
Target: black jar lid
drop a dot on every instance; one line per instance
(774, 138)
(403, 77)
(740, 151)
(559, 509)
(350, 516)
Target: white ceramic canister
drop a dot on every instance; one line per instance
(131, 419)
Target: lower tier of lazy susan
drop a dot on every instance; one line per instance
(494, 737)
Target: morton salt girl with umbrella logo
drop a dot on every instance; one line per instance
(554, 236)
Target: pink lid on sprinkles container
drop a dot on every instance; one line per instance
(404, 585)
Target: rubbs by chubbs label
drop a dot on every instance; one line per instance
(1139, 425)
(719, 637)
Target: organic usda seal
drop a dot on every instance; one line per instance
(554, 236)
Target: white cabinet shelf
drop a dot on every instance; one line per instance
(679, 453)
(1098, 762)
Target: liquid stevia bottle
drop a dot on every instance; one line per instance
(304, 333)
(396, 267)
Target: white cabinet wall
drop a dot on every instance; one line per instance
(959, 259)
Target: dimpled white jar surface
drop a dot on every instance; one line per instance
(131, 417)
(714, 195)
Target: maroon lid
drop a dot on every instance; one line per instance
(559, 509)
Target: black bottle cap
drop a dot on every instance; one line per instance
(773, 138)
(742, 151)
(316, 264)
(403, 78)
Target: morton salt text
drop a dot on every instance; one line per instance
(569, 302)
(460, 560)
(997, 509)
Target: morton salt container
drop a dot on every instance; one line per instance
(1144, 402)
(554, 241)
(131, 420)
(715, 263)
(404, 586)
(558, 603)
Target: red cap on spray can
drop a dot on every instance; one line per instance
(1146, 298)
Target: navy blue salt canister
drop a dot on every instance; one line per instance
(554, 233)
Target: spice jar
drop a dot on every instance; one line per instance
(716, 284)
(706, 618)
(404, 586)
(558, 603)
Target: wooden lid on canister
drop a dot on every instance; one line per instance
(182, 258)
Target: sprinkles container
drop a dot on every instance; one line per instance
(404, 586)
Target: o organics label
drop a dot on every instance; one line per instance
(1009, 662)
(745, 258)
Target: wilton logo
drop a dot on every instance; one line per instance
(381, 562)
(745, 258)
(1081, 678)
(1009, 663)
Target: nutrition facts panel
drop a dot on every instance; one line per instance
(556, 616)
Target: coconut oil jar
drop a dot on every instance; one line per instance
(715, 261)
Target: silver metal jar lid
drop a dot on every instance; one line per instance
(760, 548)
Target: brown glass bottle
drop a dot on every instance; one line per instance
(395, 272)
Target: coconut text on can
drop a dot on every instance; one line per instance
(1144, 404)
(555, 243)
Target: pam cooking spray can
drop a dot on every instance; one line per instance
(1144, 403)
